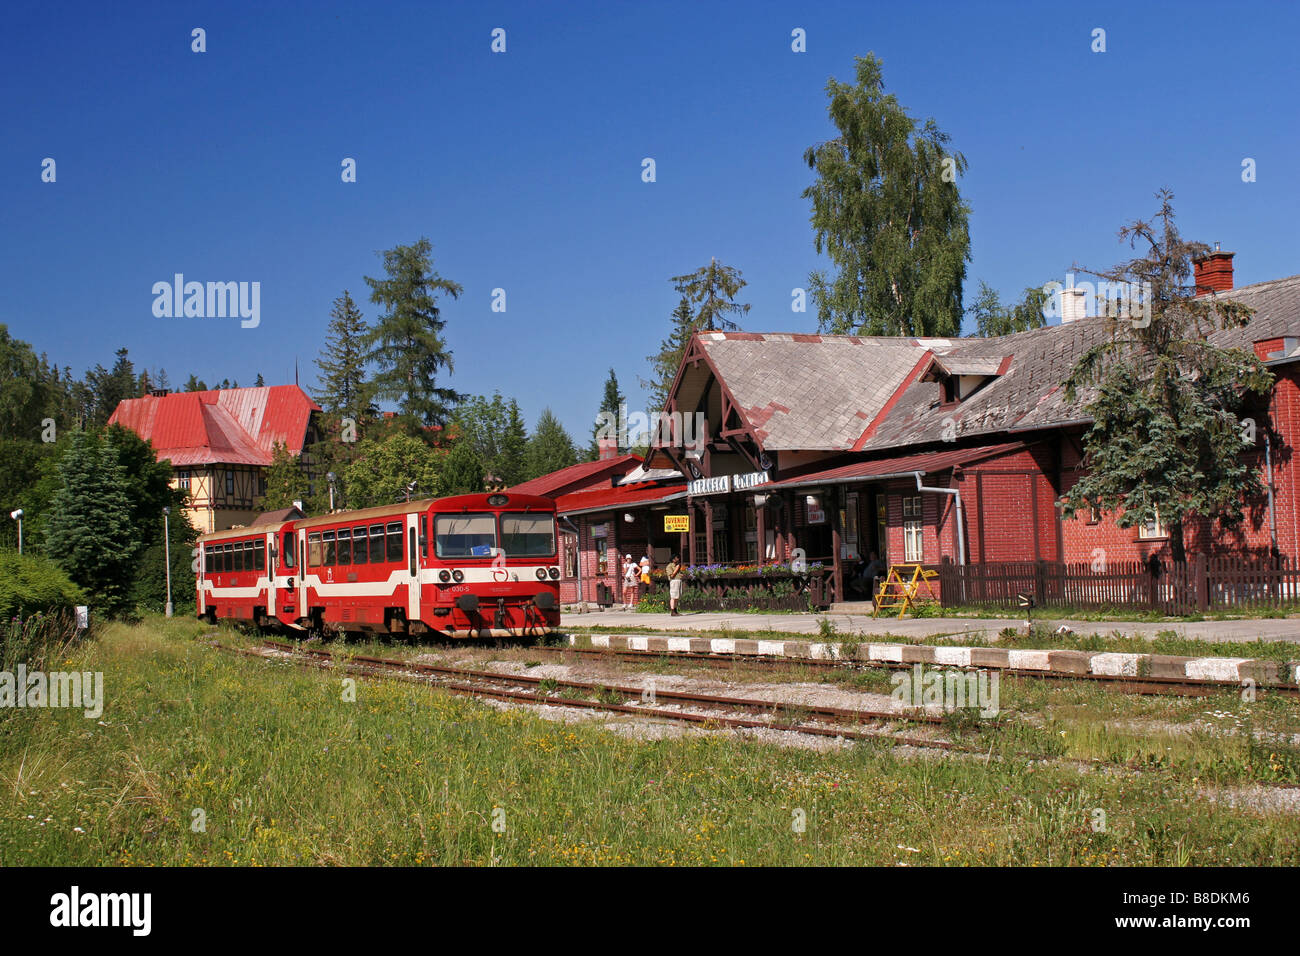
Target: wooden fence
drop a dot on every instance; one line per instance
(1194, 586)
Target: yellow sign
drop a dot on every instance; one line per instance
(677, 523)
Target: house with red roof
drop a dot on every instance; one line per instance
(221, 442)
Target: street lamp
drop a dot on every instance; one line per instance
(167, 558)
(17, 515)
(330, 476)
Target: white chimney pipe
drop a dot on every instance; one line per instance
(1074, 305)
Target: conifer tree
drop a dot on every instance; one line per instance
(342, 363)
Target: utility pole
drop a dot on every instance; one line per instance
(167, 557)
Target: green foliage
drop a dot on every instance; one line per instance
(495, 430)
(462, 472)
(111, 387)
(149, 586)
(993, 318)
(710, 292)
(665, 363)
(383, 469)
(887, 211)
(610, 403)
(1166, 405)
(407, 344)
(31, 584)
(286, 482)
(549, 448)
(90, 533)
(342, 363)
(24, 392)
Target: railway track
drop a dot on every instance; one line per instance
(706, 709)
(1182, 687)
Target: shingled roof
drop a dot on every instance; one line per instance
(863, 393)
(229, 426)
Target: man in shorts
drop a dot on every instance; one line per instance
(676, 575)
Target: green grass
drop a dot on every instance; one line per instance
(286, 772)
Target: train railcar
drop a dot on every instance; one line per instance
(245, 574)
(466, 566)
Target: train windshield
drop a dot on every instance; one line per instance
(528, 535)
(465, 536)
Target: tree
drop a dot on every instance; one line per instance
(611, 404)
(24, 391)
(260, 382)
(711, 291)
(342, 363)
(887, 212)
(109, 388)
(383, 470)
(285, 481)
(90, 533)
(496, 431)
(1166, 437)
(407, 345)
(462, 470)
(193, 384)
(665, 363)
(993, 318)
(549, 448)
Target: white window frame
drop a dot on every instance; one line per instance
(1153, 529)
(913, 529)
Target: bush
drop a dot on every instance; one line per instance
(30, 584)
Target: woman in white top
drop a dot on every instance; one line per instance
(631, 575)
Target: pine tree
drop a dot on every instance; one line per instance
(711, 291)
(407, 345)
(110, 388)
(665, 363)
(607, 417)
(887, 211)
(261, 382)
(549, 448)
(90, 533)
(342, 363)
(1166, 441)
(193, 384)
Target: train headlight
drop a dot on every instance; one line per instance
(444, 575)
(458, 575)
(555, 574)
(541, 574)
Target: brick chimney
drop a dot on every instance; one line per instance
(608, 448)
(1213, 272)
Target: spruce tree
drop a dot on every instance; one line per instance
(90, 533)
(342, 363)
(406, 345)
(611, 402)
(665, 363)
(549, 447)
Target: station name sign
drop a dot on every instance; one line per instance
(722, 484)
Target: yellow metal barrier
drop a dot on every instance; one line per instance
(902, 586)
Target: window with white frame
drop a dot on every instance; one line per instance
(183, 480)
(913, 550)
(1153, 528)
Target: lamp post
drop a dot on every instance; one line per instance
(17, 515)
(167, 557)
(330, 476)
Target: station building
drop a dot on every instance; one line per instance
(923, 450)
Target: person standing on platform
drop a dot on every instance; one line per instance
(676, 575)
(631, 576)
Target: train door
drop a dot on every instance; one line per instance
(413, 587)
(303, 609)
(268, 544)
(203, 570)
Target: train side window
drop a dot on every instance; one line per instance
(313, 550)
(395, 541)
(207, 560)
(345, 545)
(328, 540)
(410, 550)
(259, 555)
(286, 552)
(376, 544)
(424, 536)
(227, 562)
(359, 545)
(237, 550)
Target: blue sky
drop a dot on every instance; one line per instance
(524, 168)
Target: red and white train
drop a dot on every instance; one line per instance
(465, 566)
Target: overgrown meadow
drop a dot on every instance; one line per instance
(206, 758)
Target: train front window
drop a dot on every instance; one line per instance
(286, 553)
(528, 535)
(464, 536)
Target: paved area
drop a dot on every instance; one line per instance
(1283, 629)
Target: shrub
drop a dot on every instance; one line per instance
(30, 584)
